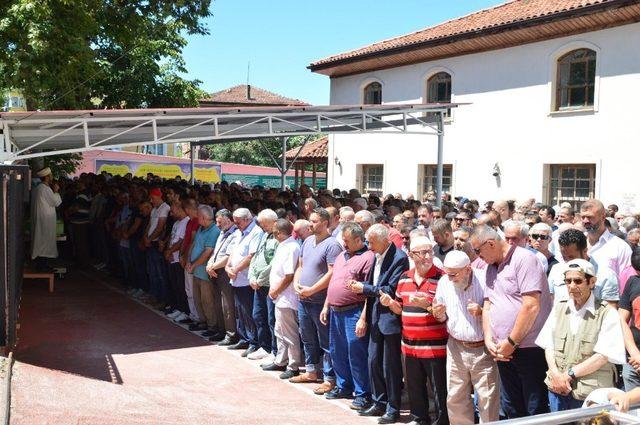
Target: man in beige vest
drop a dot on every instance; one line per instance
(582, 339)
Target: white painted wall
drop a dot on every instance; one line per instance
(508, 121)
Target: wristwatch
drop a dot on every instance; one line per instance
(571, 374)
(512, 342)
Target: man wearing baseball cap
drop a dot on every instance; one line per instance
(582, 339)
(458, 301)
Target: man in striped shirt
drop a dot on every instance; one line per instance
(459, 297)
(424, 339)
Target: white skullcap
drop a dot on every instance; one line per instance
(456, 260)
(44, 172)
(420, 241)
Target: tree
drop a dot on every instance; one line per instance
(119, 53)
(253, 152)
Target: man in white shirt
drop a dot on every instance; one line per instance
(158, 281)
(45, 199)
(283, 267)
(605, 248)
(459, 296)
(245, 245)
(582, 339)
(178, 296)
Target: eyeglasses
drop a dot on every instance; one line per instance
(421, 254)
(537, 236)
(569, 281)
(460, 219)
(478, 249)
(453, 275)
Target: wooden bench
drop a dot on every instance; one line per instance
(27, 274)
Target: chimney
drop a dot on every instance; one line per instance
(248, 91)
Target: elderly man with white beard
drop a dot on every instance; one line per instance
(459, 299)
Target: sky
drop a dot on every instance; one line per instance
(280, 38)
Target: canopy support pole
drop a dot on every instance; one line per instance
(440, 169)
(192, 167)
(283, 170)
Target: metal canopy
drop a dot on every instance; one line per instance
(26, 135)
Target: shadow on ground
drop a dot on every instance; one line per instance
(79, 327)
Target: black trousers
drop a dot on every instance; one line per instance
(433, 372)
(385, 370)
(177, 294)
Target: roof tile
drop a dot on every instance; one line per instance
(237, 95)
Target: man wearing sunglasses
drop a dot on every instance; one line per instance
(539, 239)
(573, 246)
(517, 302)
(582, 339)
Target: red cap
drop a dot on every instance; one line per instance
(156, 192)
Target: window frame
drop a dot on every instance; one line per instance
(557, 198)
(553, 60)
(368, 84)
(364, 179)
(559, 89)
(425, 174)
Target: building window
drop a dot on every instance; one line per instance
(430, 174)
(572, 183)
(372, 178)
(439, 89)
(576, 80)
(373, 94)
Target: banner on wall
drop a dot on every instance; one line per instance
(270, 181)
(206, 173)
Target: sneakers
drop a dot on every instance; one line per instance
(180, 318)
(337, 393)
(252, 349)
(272, 367)
(360, 403)
(268, 360)
(258, 355)
(174, 314)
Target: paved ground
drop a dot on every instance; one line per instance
(89, 355)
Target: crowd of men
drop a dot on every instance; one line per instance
(501, 310)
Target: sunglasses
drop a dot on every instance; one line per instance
(575, 281)
(541, 237)
(478, 249)
(459, 219)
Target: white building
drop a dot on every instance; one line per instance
(552, 89)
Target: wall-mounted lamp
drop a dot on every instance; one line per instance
(337, 161)
(496, 170)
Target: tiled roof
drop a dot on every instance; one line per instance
(318, 149)
(239, 95)
(516, 11)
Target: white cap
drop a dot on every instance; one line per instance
(420, 241)
(44, 172)
(580, 265)
(456, 260)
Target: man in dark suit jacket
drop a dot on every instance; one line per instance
(385, 359)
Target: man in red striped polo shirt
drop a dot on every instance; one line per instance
(424, 339)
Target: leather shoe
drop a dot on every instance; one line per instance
(227, 341)
(197, 327)
(241, 345)
(274, 368)
(248, 351)
(374, 410)
(288, 374)
(388, 418)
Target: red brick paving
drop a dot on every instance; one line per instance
(89, 355)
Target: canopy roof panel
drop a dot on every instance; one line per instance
(26, 135)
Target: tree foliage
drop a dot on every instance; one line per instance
(253, 152)
(79, 54)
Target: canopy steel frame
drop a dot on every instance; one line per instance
(25, 135)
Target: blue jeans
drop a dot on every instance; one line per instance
(630, 377)
(349, 353)
(156, 269)
(261, 318)
(246, 327)
(522, 388)
(559, 402)
(315, 340)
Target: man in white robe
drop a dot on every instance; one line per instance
(44, 200)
